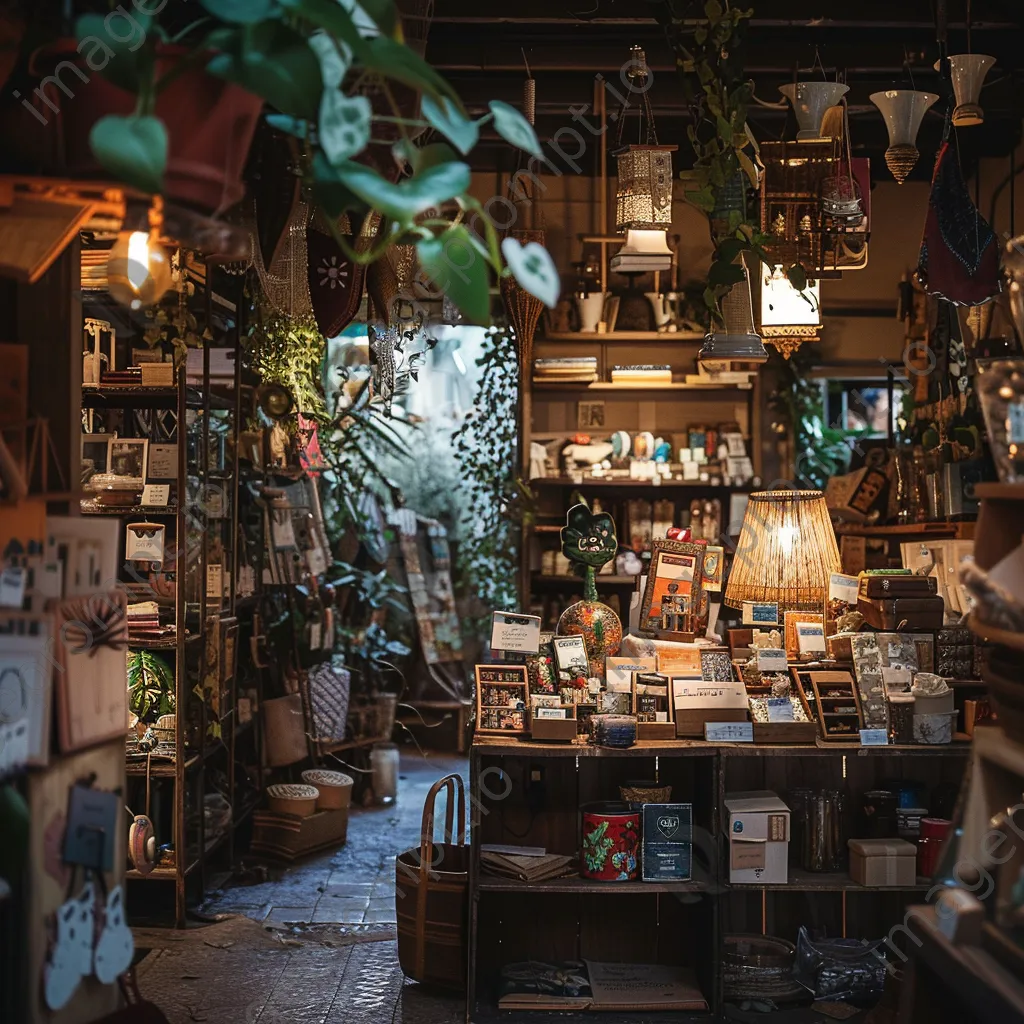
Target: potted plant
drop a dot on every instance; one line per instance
(175, 116)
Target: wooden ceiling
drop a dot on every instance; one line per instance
(871, 44)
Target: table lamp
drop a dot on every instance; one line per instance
(786, 552)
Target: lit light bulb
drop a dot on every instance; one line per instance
(138, 270)
(787, 536)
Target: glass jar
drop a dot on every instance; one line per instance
(384, 765)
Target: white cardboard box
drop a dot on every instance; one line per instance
(757, 825)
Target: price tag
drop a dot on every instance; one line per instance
(729, 732)
(156, 494)
(874, 738)
(780, 709)
(771, 659)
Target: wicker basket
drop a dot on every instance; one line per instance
(645, 792)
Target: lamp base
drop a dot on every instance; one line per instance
(968, 114)
(900, 160)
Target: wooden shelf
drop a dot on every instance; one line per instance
(576, 884)
(611, 484)
(999, 492)
(624, 336)
(91, 508)
(828, 881)
(605, 385)
(577, 581)
(107, 395)
(958, 529)
(161, 770)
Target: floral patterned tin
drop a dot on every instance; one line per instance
(611, 842)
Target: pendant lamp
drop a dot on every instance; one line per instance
(736, 340)
(643, 193)
(810, 100)
(903, 110)
(968, 71)
(788, 317)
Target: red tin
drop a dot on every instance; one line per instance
(611, 842)
(934, 833)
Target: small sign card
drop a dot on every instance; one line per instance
(780, 709)
(156, 494)
(163, 462)
(810, 637)
(550, 713)
(729, 732)
(771, 659)
(874, 738)
(760, 613)
(619, 672)
(842, 588)
(571, 655)
(511, 631)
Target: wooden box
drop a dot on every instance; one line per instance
(157, 375)
(561, 730)
(655, 730)
(690, 721)
(287, 836)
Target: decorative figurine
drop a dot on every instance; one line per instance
(589, 540)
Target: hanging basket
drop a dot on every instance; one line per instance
(522, 309)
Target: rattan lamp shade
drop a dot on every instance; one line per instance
(786, 551)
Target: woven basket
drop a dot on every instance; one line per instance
(645, 793)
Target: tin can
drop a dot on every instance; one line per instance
(934, 833)
(611, 842)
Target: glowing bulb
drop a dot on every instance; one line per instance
(138, 270)
(787, 536)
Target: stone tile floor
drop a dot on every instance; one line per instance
(314, 943)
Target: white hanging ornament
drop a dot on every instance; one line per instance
(71, 956)
(968, 71)
(903, 110)
(116, 946)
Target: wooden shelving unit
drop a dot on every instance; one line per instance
(591, 336)
(676, 922)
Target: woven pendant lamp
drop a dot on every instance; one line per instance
(523, 309)
(903, 110)
(786, 552)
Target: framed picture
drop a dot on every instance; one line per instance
(792, 635)
(714, 563)
(589, 415)
(94, 453)
(126, 456)
(571, 658)
(501, 699)
(672, 598)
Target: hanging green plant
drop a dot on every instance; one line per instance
(150, 685)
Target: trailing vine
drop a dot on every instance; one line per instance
(486, 446)
(707, 39)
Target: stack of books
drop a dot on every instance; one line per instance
(131, 375)
(94, 269)
(567, 370)
(144, 623)
(642, 373)
(527, 869)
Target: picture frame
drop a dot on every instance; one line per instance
(127, 456)
(502, 700)
(792, 641)
(571, 657)
(653, 705)
(96, 448)
(714, 566)
(670, 608)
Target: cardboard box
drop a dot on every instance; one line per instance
(561, 730)
(697, 702)
(667, 842)
(757, 825)
(883, 861)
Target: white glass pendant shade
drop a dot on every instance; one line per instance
(810, 100)
(903, 110)
(643, 196)
(735, 340)
(968, 71)
(783, 306)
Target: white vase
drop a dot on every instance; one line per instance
(590, 308)
(660, 304)
(810, 100)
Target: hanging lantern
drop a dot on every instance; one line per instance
(788, 317)
(736, 340)
(968, 71)
(903, 110)
(643, 194)
(810, 100)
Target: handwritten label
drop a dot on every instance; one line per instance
(156, 494)
(511, 631)
(729, 732)
(780, 709)
(771, 659)
(874, 738)
(842, 588)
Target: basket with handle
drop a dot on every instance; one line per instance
(432, 894)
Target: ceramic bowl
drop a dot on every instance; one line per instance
(335, 788)
(290, 798)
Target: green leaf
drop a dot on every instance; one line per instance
(398, 62)
(422, 157)
(331, 192)
(381, 12)
(533, 267)
(344, 125)
(278, 64)
(131, 59)
(722, 273)
(332, 16)
(514, 128)
(133, 149)
(455, 265)
(748, 167)
(797, 277)
(408, 198)
(296, 126)
(446, 117)
(241, 12)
